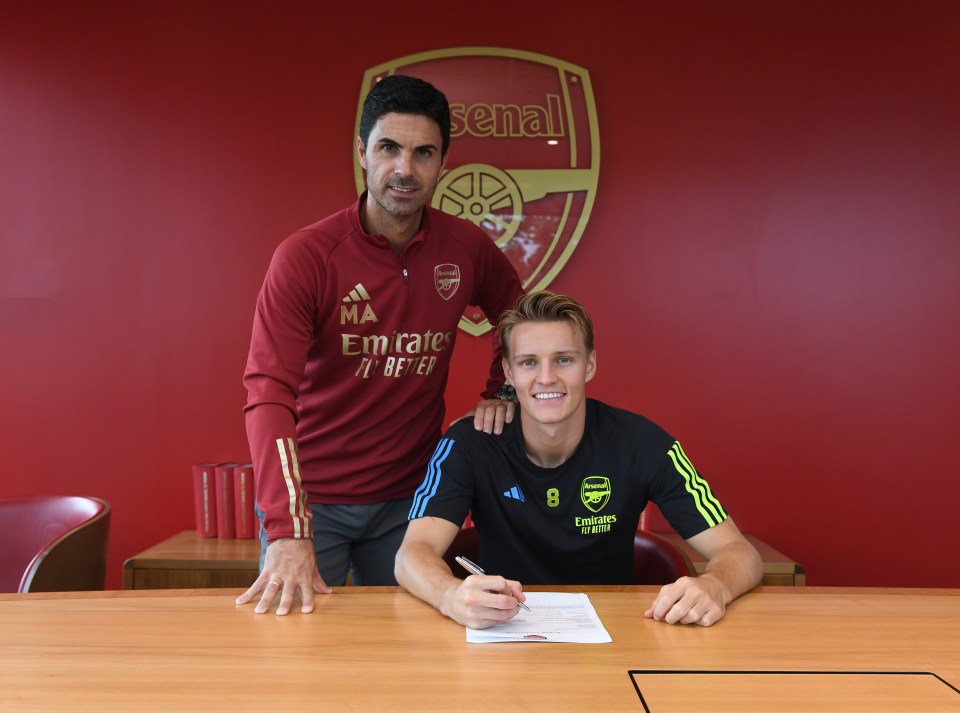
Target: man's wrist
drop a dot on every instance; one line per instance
(506, 393)
(447, 595)
(289, 537)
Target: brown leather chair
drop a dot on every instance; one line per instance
(53, 543)
(655, 560)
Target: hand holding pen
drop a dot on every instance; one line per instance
(473, 568)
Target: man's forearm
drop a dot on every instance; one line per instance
(425, 575)
(738, 568)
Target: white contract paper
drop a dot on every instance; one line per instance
(553, 616)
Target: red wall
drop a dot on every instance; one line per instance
(772, 261)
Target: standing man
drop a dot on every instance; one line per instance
(351, 345)
(556, 498)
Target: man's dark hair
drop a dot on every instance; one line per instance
(406, 95)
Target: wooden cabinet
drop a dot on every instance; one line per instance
(186, 561)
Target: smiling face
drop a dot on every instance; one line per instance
(549, 366)
(403, 164)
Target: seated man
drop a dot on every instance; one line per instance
(556, 499)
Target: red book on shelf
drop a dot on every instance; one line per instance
(205, 499)
(223, 480)
(245, 519)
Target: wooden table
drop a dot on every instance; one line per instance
(186, 561)
(379, 648)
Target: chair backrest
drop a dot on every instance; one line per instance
(655, 560)
(467, 544)
(53, 543)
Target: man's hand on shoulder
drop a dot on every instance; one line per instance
(289, 569)
(491, 415)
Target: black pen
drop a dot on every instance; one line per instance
(475, 569)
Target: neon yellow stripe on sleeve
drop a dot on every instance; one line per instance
(704, 499)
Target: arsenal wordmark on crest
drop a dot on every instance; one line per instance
(525, 152)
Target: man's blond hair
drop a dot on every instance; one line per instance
(546, 306)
